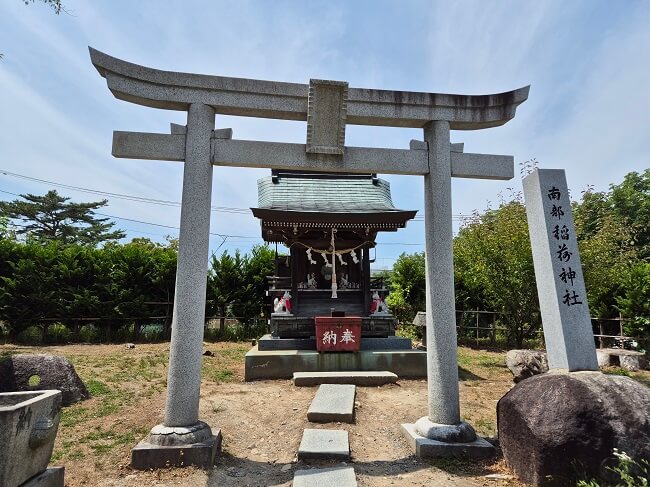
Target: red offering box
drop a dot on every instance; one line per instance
(338, 334)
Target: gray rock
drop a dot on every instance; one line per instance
(632, 362)
(333, 402)
(420, 319)
(565, 425)
(52, 477)
(627, 359)
(526, 363)
(46, 372)
(324, 445)
(325, 477)
(603, 358)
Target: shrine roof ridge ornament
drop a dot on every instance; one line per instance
(289, 101)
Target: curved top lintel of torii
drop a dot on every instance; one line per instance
(289, 101)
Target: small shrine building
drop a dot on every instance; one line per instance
(329, 222)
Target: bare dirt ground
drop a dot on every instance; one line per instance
(261, 422)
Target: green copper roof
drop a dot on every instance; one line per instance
(325, 195)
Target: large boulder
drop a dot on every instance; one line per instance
(526, 363)
(26, 372)
(555, 428)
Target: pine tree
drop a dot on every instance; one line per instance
(52, 218)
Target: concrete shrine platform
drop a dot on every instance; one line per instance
(269, 342)
(281, 364)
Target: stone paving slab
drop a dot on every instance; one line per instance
(325, 477)
(426, 448)
(362, 378)
(324, 445)
(332, 403)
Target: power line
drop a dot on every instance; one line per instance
(139, 199)
(150, 223)
(168, 226)
(143, 199)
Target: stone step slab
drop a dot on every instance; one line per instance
(325, 477)
(317, 444)
(333, 403)
(359, 378)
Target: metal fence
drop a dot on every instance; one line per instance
(481, 326)
(609, 332)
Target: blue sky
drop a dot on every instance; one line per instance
(586, 61)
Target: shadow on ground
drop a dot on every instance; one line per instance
(464, 374)
(234, 471)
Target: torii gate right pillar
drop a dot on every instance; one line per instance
(441, 433)
(442, 369)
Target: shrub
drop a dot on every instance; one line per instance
(4, 331)
(151, 333)
(58, 333)
(125, 333)
(627, 471)
(32, 335)
(238, 331)
(90, 334)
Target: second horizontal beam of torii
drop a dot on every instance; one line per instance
(226, 151)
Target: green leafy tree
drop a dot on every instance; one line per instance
(630, 203)
(493, 262)
(52, 218)
(259, 264)
(142, 275)
(237, 283)
(590, 213)
(28, 287)
(42, 283)
(634, 301)
(5, 229)
(226, 286)
(407, 287)
(606, 256)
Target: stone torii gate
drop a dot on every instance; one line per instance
(327, 106)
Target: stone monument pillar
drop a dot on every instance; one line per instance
(182, 439)
(560, 284)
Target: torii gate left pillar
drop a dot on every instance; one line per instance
(327, 106)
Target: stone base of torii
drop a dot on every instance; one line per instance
(327, 107)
